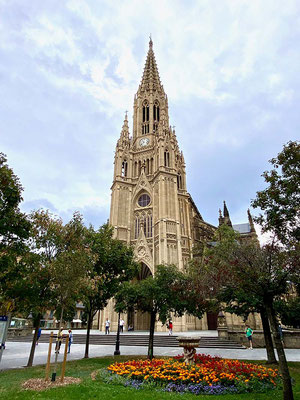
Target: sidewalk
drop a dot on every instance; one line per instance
(16, 353)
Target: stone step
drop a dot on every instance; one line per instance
(138, 340)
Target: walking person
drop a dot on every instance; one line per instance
(70, 340)
(107, 325)
(170, 326)
(249, 333)
(59, 340)
(38, 336)
(122, 323)
(280, 331)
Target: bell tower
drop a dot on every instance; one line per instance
(149, 206)
(151, 209)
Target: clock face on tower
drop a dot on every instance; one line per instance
(144, 141)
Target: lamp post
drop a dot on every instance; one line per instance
(117, 350)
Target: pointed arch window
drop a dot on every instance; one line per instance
(167, 158)
(156, 111)
(146, 118)
(179, 181)
(143, 221)
(155, 115)
(135, 169)
(124, 169)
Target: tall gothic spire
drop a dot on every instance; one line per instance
(225, 219)
(125, 127)
(252, 228)
(225, 211)
(150, 79)
(124, 137)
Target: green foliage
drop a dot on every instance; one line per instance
(209, 272)
(51, 273)
(14, 230)
(246, 270)
(280, 200)
(69, 266)
(236, 301)
(164, 294)
(110, 264)
(14, 226)
(289, 312)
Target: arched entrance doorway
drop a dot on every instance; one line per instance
(138, 320)
(212, 321)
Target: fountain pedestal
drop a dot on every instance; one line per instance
(189, 345)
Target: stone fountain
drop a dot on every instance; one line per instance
(189, 345)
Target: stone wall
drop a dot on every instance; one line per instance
(15, 332)
(291, 338)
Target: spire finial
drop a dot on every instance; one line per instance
(126, 111)
(252, 228)
(150, 42)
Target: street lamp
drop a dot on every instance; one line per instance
(117, 350)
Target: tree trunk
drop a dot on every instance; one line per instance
(56, 349)
(33, 344)
(87, 342)
(284, 369)
(151, 336)
(268, 337)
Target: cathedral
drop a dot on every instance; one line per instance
(151, 209)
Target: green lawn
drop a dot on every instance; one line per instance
(11, 381)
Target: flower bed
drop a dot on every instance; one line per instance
(210, 375)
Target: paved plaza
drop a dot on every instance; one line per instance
(16, 353)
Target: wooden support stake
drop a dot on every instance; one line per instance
(49, 357)
(63, 368)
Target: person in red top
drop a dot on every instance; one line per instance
(170, 326)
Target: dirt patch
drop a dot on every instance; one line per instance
(94, 374)
(40, 384)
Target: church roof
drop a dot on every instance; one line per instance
(150, 78)
(242, 228)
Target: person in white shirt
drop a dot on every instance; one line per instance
(122, 323)
(107, 325)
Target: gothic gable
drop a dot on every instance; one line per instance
(142, 185)
(142, 251)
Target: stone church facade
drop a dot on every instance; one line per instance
(151, 209)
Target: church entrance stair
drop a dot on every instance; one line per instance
(134, 339)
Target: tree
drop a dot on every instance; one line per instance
(280, 200)
(212, 278)
(68, 269)
(289, 311)
(265, 273)
(49, 274)
(14, 226)
(238, 302)
(14, 230)
(110, 263)
(280, 204)
(168, 292)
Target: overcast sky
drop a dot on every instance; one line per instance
(69, 70)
